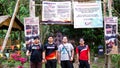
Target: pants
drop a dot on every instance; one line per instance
(35, 65)
(51, 63)
(84, 64)
(66, 64)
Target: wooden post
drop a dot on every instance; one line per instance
(32, 12)
(10, 26)
(32, 8)
(106, 56)
(110, 15)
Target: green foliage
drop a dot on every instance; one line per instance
(116, 5)
(9, 5)
(11, 63)
(115, 59)
(94, 66)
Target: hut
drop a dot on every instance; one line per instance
(5, 21)
(4, 24)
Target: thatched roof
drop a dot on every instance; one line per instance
(5, 21)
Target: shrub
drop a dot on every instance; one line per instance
(20, 59)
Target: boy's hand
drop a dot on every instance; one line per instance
(44, 60)
(59, 62)
(71, 59)
(89, 61)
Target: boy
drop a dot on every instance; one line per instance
(35, 53)
(83, 54)
(50, 53)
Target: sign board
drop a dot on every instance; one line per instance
(31, 29)
(88, 15)
(111, 28)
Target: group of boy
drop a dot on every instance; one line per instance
(51, 53)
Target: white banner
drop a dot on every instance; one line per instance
(56, 12)
(88, 15)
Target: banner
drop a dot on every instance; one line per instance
(56, 12)
(111, 29)
(31, 28)
(88, 15)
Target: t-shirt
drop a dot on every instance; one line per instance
(36, 53)
(64, 54)
(50, 51)
(83, 52)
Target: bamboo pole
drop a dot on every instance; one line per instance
(10, 26)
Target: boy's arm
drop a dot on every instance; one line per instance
(28, 53)
(77, 55)
(43, 55)
(89, 57)
(56, 54)
(72, 56)
(58, 57)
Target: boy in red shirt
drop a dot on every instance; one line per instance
(83, 54)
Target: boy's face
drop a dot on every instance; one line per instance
(50, 39)
(36, 41)
(81, 41)
(65, 40)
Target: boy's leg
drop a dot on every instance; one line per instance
(47, 65)
(53, 63)
(69, 64)
(39, 65)
(32, 65)
(81, 65)
(87, 65)
(63, 64)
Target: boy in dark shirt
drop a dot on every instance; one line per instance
(35, 53)
(50, 53)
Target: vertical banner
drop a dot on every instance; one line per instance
(88, 15)
(111, 28)
(56, 12)
(31, 29)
